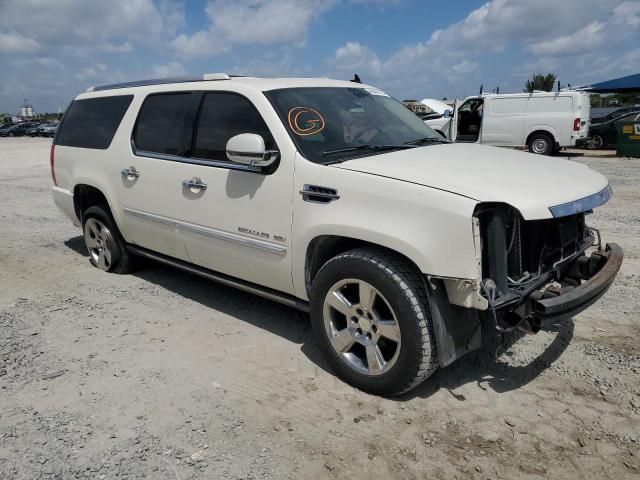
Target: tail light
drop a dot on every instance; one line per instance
(51, 160)
(576, 124)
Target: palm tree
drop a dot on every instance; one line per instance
(540, 82)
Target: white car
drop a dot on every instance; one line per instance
(407, 251)
(542, 121)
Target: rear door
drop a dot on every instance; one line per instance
(553, 113)
(150, 171)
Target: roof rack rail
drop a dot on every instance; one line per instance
(162, 81)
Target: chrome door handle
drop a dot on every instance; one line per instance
(130, 172)
(195, 183)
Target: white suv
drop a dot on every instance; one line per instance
(408, 251)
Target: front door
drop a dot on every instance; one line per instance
(236, 219)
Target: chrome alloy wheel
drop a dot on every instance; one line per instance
(540, 145)
(361, 326)
(99, 242)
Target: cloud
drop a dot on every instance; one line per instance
(122, 48)
(241, 22)
(89, 22)
(171, 69)
(14, 42)
(570, 41)
(354, 57)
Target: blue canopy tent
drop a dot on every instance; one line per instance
(629, 83)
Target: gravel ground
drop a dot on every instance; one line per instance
(164, 375)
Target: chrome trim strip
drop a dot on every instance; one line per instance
(232, 237)
(582, 204)
(195, 161)
(210, 232)
(150, 216)
(265, 292)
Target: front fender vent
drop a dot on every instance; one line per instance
(317, 194)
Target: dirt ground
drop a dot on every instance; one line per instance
(164, 375)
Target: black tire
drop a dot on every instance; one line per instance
(595, 142)
(402, 286)
(541, 144)
(122, 261)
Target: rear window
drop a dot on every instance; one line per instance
(165, 123)
(93, 122)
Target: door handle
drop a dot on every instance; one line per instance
(130, 172)
(195, 183)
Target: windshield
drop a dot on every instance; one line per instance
(330, 124)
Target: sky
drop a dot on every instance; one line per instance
(52, 50)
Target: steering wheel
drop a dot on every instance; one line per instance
(359, 136)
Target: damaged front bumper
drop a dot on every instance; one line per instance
(561, 294)
(597, 273)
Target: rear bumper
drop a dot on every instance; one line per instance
(581, 142)
(64, 201)
(550, 309)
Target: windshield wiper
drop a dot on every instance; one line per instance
(427, 140)
(367, 146)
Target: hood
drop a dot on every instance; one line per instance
(530, 183)
(436, 105)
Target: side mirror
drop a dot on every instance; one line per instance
(447, 114)
(249, 149)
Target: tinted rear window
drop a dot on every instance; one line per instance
(93, 122)
(165, 123)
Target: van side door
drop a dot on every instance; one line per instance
(503, 122)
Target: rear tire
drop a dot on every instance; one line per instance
(595, 142)
(371, 316)
(541, 144)
(107, 248)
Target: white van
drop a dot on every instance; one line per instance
(543, 121)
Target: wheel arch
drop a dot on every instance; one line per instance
(457, 330)
(86, 195)
(544, 130)
(324, 247)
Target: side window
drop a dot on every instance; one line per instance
(93, 122)
(165, 123)
(223, 116)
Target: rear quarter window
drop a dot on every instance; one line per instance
(92, 123)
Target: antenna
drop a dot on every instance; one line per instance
(558, 85)
(356, 78)
(480, 90)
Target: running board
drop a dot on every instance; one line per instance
(228, 280)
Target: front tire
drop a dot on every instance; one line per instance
(371, 316)
(541, 144)
(107, 250)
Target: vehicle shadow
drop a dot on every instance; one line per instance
(478, 367)
(77, 245)
(268, 315)
(499, 374)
